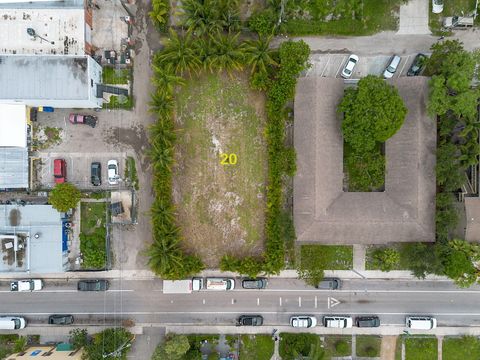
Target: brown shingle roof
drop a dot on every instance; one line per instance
(323, 212)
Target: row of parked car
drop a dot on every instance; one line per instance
(38, 284)
(18, 322)
(342, 322)
(415, 69)
(60, 172)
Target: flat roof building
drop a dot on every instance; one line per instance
(59, 81)
(32, 239)
(60, 27)
(13, 146)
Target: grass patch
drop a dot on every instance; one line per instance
(292, 345)
(7, 344)
(338, 345)
(368, 346)
(258, 347)
(131, 172)
(327, 257)
(450, 8)
(222, 196)
(127, 103)
(461, 348)
(115, 76)
(421, 348)
(374, 16)
(46, 137)
(92, 234)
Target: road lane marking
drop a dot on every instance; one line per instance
(403, 67)
(331, 302)
(299, 301)
(280, 301)
(233, 301)
(258, 301)
(203, 301)
(369, 291)
(316, 300)
(59, 291)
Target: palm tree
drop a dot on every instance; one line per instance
(159, 13)
(165, 79)
(164, 255)
(180, 54)
(162, 104)
(202, 16)
(259, 55)
(226, 53)
(229, 12)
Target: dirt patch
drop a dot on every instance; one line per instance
(387, 351)
(134, 137)
(220, 168)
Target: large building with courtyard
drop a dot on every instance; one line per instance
(325, 212)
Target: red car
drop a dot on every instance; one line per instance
(89, 120)
(59, 171)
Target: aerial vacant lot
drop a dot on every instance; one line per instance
(220, 167)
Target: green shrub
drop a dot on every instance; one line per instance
(342, 348)
(386, 259)
(160, 13)
(64, 197)
(263, 22)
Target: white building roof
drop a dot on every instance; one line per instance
(65, 27)
(13, 125)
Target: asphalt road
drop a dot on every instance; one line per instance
(145, 303)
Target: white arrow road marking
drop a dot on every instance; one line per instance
(331, 302)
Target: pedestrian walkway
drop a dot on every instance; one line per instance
(276, 351)
(414, 17)
(359, 257)
(440, 347)
(389, 345)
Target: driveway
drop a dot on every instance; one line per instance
(414, 17)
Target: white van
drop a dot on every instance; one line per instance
(421, 322)
(12, 323)
(340, 322)
(220, 284)
(458, 22)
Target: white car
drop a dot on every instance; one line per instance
(303, 321)
(26, 285)
(340, 322)
(112, 167)
(349, 66)
(437, 6)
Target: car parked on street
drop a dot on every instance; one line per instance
(437, 6)
(96, 174)
(112, 167)
(26, 285)
(349, 66)
(337, 321)
(60, 319)
(391, 67)
(418, 65)
(59, 171)
(89, 120)
(258, 283)
(93, 285)
(420, 322)
(303, 321)
(250, 320)
(329, 284)
(367, 321)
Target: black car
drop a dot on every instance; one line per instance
(417, 66)
(92, 285)
(96, 173)
(329, 284)
(258, 283)
(60, 319)
(367, 321)
(250, 320)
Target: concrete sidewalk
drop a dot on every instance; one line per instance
(414, 17)
(148, 275)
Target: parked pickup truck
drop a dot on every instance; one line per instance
(182, 286)
(26, 285)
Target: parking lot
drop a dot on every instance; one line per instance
(331, 65)
(112, 139)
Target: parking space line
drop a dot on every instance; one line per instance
(403, 67)
(326, 66)
(340, 66)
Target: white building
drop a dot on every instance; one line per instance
(60, 27)
(59, 81)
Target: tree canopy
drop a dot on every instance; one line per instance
(64, 197)
(373, 112)
(174, 348)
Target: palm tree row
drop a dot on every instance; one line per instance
(184, 55)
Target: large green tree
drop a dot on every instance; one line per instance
(373, 112)
(64, 197)
(111, 343)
